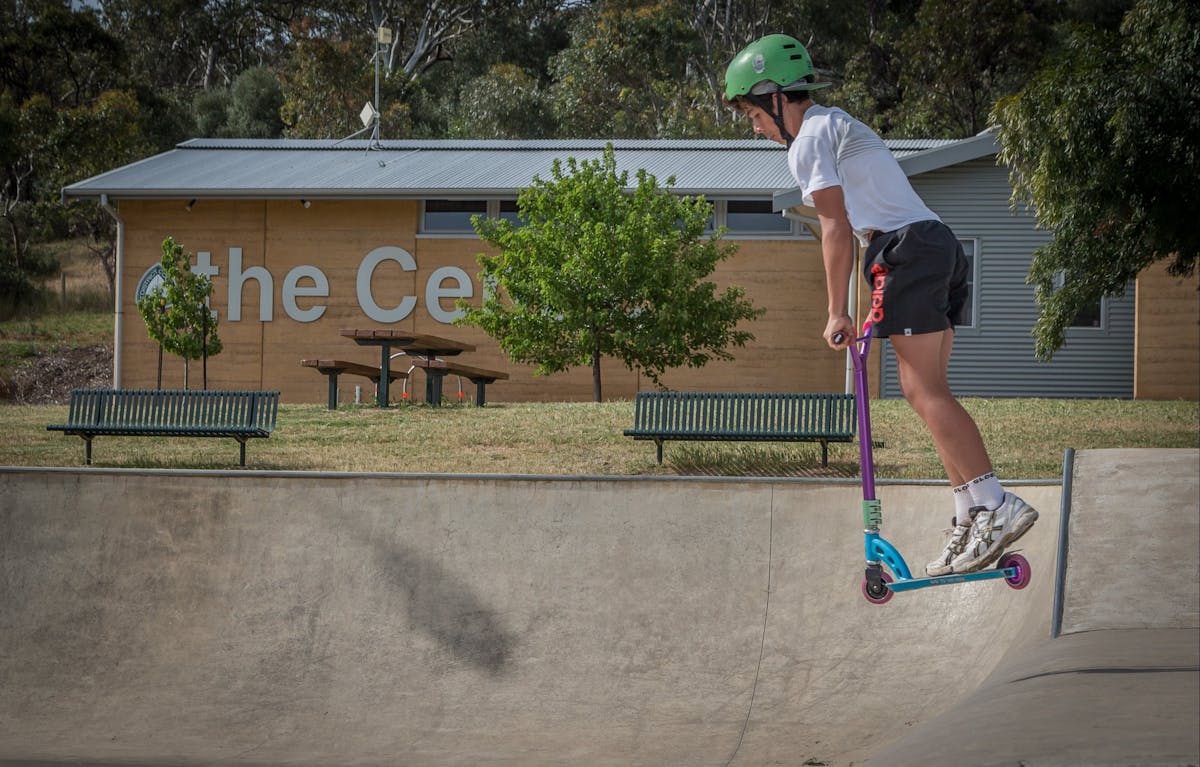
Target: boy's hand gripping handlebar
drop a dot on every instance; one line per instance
(863, 341)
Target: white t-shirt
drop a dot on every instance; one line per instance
(834, 149)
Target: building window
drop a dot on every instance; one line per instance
(971, 251)
(445, 216)
(755, 217)
(1091, 317)
(508, 211)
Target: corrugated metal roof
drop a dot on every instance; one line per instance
(287, 168)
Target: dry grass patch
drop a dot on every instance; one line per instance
(1026, 438)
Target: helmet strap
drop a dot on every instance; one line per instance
(774, 108)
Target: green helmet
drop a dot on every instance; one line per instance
(775, 59)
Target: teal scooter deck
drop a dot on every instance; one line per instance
(1012, 572)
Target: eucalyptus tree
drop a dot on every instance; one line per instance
(1102, 145)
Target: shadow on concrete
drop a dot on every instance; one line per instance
(446, 608)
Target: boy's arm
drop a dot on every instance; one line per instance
(837, 250)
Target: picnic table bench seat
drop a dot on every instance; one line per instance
(241, 415)
(713, 416)
(438, 369)
(334, 368)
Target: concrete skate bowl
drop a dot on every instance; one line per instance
(242, 618)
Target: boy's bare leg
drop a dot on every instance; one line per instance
(923, 361)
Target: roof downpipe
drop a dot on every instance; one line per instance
(118, 287)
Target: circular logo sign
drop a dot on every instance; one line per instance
(151, 282)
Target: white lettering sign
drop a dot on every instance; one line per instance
(365, 271)
(434, 292)
(292, 290)
(237, 278)
(309, 282)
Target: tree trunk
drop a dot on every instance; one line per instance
(596, 395)
(159, 386)
(204, 350)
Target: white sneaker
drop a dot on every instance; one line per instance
(993, 531)
(960, 536)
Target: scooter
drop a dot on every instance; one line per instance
(878, 586)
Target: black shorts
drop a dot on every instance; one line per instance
(918, 280)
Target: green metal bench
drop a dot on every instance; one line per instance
(241, 415)
(700, 416)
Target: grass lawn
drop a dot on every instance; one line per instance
(1026, 438)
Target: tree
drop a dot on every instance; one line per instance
(1102, 145)
(422, 32)
(183, 45)
(325, 85)
(250, 108)
(320, 100)
(629, 73)
(65, 114)
(177, 314)
(596, 270)
(865, 59)
(959, 56)
(506, 103)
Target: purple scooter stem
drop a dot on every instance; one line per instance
(859, 349)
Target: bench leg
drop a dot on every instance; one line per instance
(433, 386)
(242, 446)
(659, 443)
(824, 453)
(479, 396)
(87, 441)
(333, 397)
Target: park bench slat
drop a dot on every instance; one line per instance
(241, 415)
(722, 416)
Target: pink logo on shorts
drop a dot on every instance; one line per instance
(878, 280)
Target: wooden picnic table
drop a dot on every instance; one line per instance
(417, 344)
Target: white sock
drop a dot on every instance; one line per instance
(986, 491)
(962, 504)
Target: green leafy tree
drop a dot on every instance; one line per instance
(1102, 145)
(177, 314)
(626, 74)
(211, 112)
(43, 149)
(183, 45)
(862, 51)
(320, 97)
(325, 85)
(250, 108)
(598, 270)
(505, 103)
(68, 110)
(959, 56)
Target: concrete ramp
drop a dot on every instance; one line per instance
(200, 618)
(1120, 685)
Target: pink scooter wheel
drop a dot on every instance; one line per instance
(877, 598)
(1020, 579)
